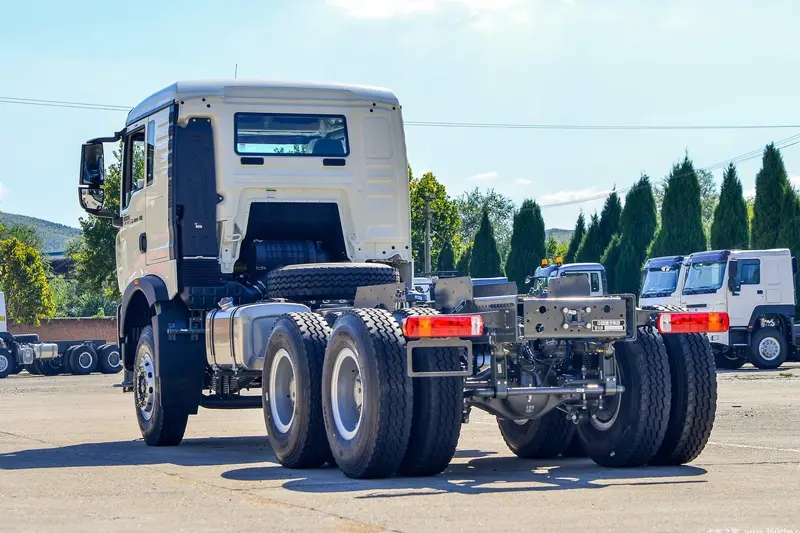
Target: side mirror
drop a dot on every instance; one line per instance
(92, 200)
(92, 165)
(733, 276)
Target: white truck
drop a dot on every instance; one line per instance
(26, 352)
(756, 288)
(595, 274)
(662, 281)
(266, 243)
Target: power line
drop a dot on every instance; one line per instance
(442, 124)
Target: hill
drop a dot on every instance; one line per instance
(561, 235)
(54, 236)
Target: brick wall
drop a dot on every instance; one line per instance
(71, 329)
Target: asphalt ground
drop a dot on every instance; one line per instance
(71, 459)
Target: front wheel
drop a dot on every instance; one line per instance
(7, 363)
(768, 349)
(160, 425)
(627, 429)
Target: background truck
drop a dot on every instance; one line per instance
(26, 352)
(265, 243)
(756, 288)
(595, 274)
(662, 281)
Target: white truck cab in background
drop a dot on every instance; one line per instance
(756, 288)
(595, 272)
(662, 281)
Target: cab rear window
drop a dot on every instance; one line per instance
(272, 134)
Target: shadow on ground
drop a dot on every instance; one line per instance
(480, 475)
(191, 452)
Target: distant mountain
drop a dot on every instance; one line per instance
(561, 235)
(54, 236)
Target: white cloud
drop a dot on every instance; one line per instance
(376, 9)
(579, 195)
(522, 181)
(484, 176)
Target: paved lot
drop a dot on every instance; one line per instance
(71, 460)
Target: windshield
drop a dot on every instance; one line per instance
(539, 285)
(705, 277)
(291, 135)
(660, 282)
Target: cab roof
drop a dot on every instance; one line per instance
(571, 267)
(255, 88)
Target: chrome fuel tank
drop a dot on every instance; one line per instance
(237, 336)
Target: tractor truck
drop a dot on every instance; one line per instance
(264, 244)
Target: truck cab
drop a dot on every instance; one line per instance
(594, 272)
(662, 281)
(756, 288)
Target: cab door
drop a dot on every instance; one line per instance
(131, 261)
(750, 295)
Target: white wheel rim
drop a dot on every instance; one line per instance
(85, 360)
(4, 364)
(145, 385)
(347, 394)
(282, 391)
(769, 349)
(114, 360)
(606, 424)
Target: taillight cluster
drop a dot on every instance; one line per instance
(440, 326)
(693, 322)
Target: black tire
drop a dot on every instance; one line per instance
(375, 443)
(67, 358)
(8, 363)
(694, 399)
(330, 318)
(636, 434)
(438, 407)
(163, 425)
(574, 448)
(27, 338)
(32, 370)
(109, 360)
(300, 441)
(83, 360)
(327, 281)
(726, 358)
(541, 438)
(49, 367)
(774, 337)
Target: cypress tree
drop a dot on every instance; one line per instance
(446, 261)
(610, 259)
(729, 228)
(789, 236)
(609, 220)
(681, 230)
(772, 183)
(577, 237)
(527, 243)
(638, 221)
(463, 262)
(485, 261)
(590, 249)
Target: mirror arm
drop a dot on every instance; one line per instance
(117, 136)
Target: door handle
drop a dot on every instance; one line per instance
(759, 291)
(143, 243)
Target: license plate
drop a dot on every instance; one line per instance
(608, 325)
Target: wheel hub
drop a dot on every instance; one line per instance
(85, 360)
(347, 394)
(145, 386)
(114, 360)
(4, 363)
(282, 391)
(769, 349)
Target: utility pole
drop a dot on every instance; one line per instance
(428, 199)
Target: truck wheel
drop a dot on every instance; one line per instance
(438, 406)
(768, 349)
(694, 399)
(628, 431)
(50, 367)
(83, 360)
(574, 448)
(365, 365)
(327, 281)
(541, 438)
(727, 358)
(108, 359)
(292, 389)
(160, 425)
(7, 363)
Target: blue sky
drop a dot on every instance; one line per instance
(501, 61)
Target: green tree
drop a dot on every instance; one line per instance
(23, 233)
(609, 260)
(609, 221)
(554, 249)
(445, 222)
(527, 243)
(681, 230)
(772, 184)
(23, 279)
(471, 205)
(789, 237)
(591, 248)
(638, 226)
(485, 260)
(730, 226)
(71, 301)
(94, 251)
(464, 260)
(446, 261)
(577, 237)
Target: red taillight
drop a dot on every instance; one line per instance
(693, 322)
(417, 327)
